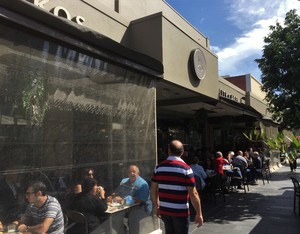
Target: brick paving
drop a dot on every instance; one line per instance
(265, 209)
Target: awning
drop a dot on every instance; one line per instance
(33, 17)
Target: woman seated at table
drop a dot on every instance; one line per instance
(91, 202)
(84, 173)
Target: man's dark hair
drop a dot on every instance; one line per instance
(176, 148)
(38, 186)
(195, 160)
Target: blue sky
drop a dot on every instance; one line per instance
(236, 28)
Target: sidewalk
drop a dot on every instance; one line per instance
(265, 209)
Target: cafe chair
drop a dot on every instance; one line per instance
(77, 222)
(267, 167)
(296, 193)
(245, 184)
(66, 222)
(215, 187)
(264, 173)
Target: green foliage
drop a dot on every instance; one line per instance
(28, 95)
(287, 146)
(280, 69)
(34, 98)
(255, 135)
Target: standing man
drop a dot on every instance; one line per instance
(173, 183)
(43, 214)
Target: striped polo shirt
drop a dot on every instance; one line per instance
(173, 177)
(51, 209)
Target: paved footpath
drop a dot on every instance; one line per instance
(265, 209)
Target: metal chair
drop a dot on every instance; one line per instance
(243, 180)
(264, 173)
(76, 218)
(296, 193)
(215, 186)
(66, 222)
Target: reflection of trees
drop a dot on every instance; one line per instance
(27, 94)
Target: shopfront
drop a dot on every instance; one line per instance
(103, 85)
(65, 108)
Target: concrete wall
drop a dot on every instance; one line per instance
(96, 16)
(145, 35)
(255, 87)
(230, 88)
(153, 28)
(177, 47)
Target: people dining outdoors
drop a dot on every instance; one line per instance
(256, 160)
(84, 173)
(239, 161)
(135, 190)
(250, 170)
(91, 202)
(230, 155)
(198, 171)
(220, 161)
(200, 177)
(43, 213)
(256, 164)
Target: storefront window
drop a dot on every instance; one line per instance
(63, 110)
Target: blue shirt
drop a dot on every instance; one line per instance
(199, 171)
(139, 189)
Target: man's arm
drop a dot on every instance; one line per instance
(154, 196)
(42, 227)
(195, 199)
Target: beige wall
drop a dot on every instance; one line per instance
(135, 9)
(177, 47)
(145, 35)
(97, 16)
(230, 88)
(255, 87)
(100, 15)
(153, 28)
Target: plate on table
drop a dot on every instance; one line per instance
(115, 204)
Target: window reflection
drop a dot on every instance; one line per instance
(62, 111)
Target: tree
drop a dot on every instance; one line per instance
(280, 67)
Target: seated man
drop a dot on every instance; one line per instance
(43, 214)
(138, 190)
(240, 162)
(219, 162)
(200, 177)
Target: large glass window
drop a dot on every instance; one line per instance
(63, 110)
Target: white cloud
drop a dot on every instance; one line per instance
(253, 18)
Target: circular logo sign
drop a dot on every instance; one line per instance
(199, 63)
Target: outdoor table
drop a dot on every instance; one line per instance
(116, 214)
(227, 167)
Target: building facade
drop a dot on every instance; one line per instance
(106, 84)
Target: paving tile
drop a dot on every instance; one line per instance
(265, 209)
